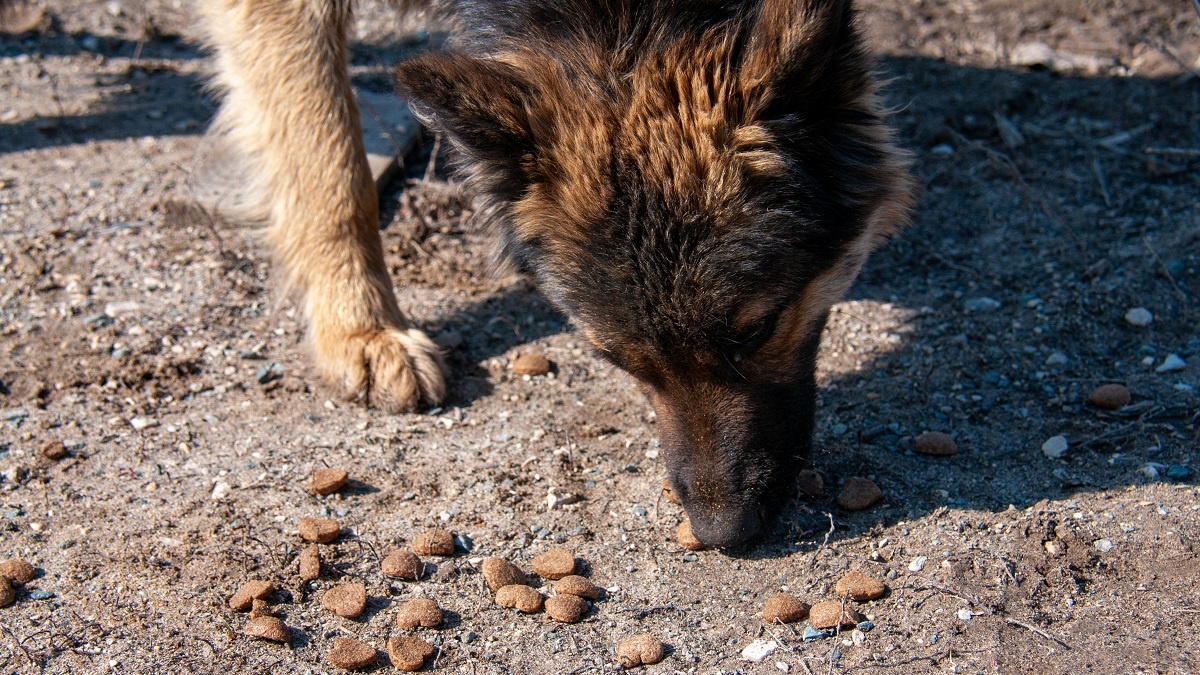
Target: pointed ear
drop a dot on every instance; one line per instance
(480, 104)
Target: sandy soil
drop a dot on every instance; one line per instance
(1060, 183)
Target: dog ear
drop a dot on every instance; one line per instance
(480, 104)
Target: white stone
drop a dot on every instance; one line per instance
(115, 309)
(1057, 359)
(220, 491)
(965, 614)
(1103, 545)
(139, 423)
(1171, 364)
(759, 650)
(1055, 447)
(1139, 316)
(984, 304)
(918, 563)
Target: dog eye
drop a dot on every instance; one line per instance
(751, 339)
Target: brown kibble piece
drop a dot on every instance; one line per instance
(409, 653)
(784, 607)
(328, 481)
(520, 596)
(577, 585)
(935, 444)
(434, 542)
(567, 608)
(858, 493)
(7, 595)
(668, 492)
(499, 573)
(1110, 396)
(859, 586)
(554, 564)
(403, 565)
(640, 650)
(248, 592)
(346, 600)
(810, 485)
(533, 364)
(18, 571)
(269, 628)
(683, 534)
(259, 608)
(350, 654)
(419, 612)
(321, 531)
(54, 449)
(310, 563)
(824, 615)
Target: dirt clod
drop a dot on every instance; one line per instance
(859, 586)
(784, 607)
(328, 481)
(18, 571)
(346, 600)
(810, 485)
(403, 565)
(310, 563)
(683, 534)
(319, 530)
(351, 654)
(54, 450)
(248, 592)
(409, 653)
(668, 492)
(434, 542)
(567, 608)
(7, 595)
(521, 597)
(640, 650)
(1110, 396)
(935, 444)
(533, 364)
(268, 628)
(824, 615)
(421, 612)
(577, 585)
(858, 493)
(554, 564)
(498, 573)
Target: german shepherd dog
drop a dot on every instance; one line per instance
(694, 182)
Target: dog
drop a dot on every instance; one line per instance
(694, 182)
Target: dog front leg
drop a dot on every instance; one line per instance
(289, 111)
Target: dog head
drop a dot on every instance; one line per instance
(695, 183)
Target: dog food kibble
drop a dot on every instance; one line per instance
(498, 573)
(248, 592)
(346, 600)
(7, 595)
(824, 615)
(269, 628)
(259, 608)
(1110, 396)
(18, 571)
(403, 565)
(533, 364)
(54, 450)
(310, 563)
(668, 492)
(810, 485)
(351, 654)
(521, 597)
(859, 586)
(321, 531)
(683, 534)
(577, 585)
(567, 608)
(434, 542)
(328, 481)
(858, 493)
(935, 444)
(640, 650)
(784, 607)
(419, 612)
(409, 653)
(554, 564)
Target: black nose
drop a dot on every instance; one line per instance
(726, 528)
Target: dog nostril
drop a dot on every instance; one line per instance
(724, 529)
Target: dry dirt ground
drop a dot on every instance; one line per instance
(1059, 149)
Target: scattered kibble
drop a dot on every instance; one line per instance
(321, 531)
(784, 607)
(554, 564)
(577, 585)
(498, 573)
(18, 571)
(683, 534)
(935, 444)
(567, 608)
(248, 592)
(351, 654)
(533, 364)
(858, 493)
(420, 612)
(7, 594)
(1110, 396)
(810, 485)
(346, 600)
(328, 481)
(409, 653)
(268, 628)
(859, 586)
(824, 615)
(403, 565)
(521, 597)
(310, 563)
(434, 542)
(640, 650)
(260, 608)
(54, 450)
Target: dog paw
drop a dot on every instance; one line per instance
(395, 369)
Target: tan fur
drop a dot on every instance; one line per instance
(289, 112)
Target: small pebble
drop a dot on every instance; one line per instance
(1055, 447)
(936, 444)
(567, 608)
(7, 594)
(759, 650)
(421, 612)
(310, 563)
(554, 564)
(521, 597)
(328, 481)
(965, 615)
(577, 585)
(683, 534)
(498, 573)
(784, 607)
(858, 493)
(865, 626)
(983, 304)
(532, 364)
(1139, 316)
(1057, 359)
(248, 592)
(1103, 545)
(1178, 472)
(640, 650)
(810, 485)
(918, 563)
(403, 565)
(41, 595)
(825, 615)
(54, 450)
(409, 653)
(346, 600)
(811, 633)
(268, 628)
(18, 571)
(317, 530)
(859, 586)
(668, 492)
(350, 654)
(1173, 363)
(1109, 396)
(434, 542)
